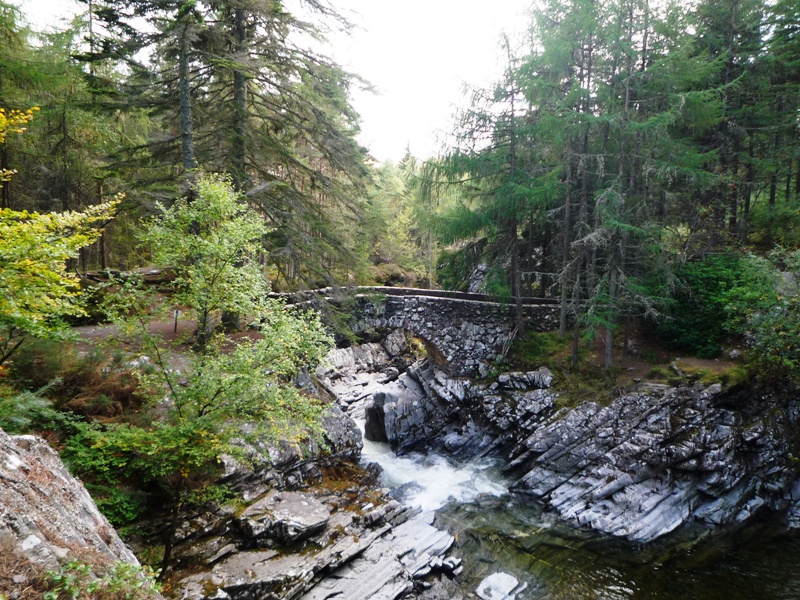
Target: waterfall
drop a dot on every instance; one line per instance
(429, 481)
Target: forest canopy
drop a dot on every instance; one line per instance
(624, 141)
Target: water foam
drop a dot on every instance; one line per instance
(430, 481)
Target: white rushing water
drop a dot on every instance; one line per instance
(429, 481)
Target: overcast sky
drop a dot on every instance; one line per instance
(417, 53)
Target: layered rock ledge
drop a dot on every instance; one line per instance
(648, 464)
(316, 545)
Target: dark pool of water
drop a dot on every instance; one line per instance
(758, 562)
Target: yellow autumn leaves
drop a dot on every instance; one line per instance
(13, 121)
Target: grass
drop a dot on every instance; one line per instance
(726, 374)
(538, 349)
(575, 383)
(588, 379)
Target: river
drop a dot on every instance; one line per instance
(497, 532)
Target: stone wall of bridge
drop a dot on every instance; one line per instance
(462, 336)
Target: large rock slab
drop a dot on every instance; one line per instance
(646, 465)
(362, 358)
(500, 586)
(414, 548)
(286, 516)
(354, 374)
(426, 409)
(285, 465)
(366, 552)
(46, 515)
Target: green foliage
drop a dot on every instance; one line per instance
(167, 455)
(227, 389)
(211, 244)
(12, 121)
(538, 349)
(696, 321)
(496, 283)
(121, 581)
(35, 289)
(38, 362)
(765, 307)
(395, 226)
(750, 296)
(456, 265)
(24, 412)
(658, 373)
(778, 224)
(120, 504)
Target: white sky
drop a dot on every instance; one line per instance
(417, 53)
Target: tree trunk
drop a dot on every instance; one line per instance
(512, 224)
(612, 291)
(516, 278)
(5, 201)
(187, 134)
(566, 226)
(169, 540)
(787, 195)
(101, 248)
(749, 179)
(238, 147)
(430, 259)
(733, 198)
(797, 181)
(576, 296)
(546, 263)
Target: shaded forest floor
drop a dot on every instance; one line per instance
(647, 360)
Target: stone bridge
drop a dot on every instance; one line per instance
(462, 332)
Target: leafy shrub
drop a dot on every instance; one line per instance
(456, 266)
(90, 385)
(658, 373)
(24, 412)
(391, 274)
(774, 335)
(496, 283)
(120, 504)
(39, 362)
(91, 301)
(750, 296)
(696, 322)
(537, 349)
(120, 581)
(779, 224)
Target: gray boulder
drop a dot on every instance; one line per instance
(286, 516)
(427, 409)
(46, 516)
(500, 586)
(370, 553)
(288, 466)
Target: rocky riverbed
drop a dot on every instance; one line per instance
(652, 462)
(658, 464)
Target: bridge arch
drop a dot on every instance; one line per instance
(463, 332)
(463, 335)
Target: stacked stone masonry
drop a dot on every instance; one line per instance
(462, 336)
